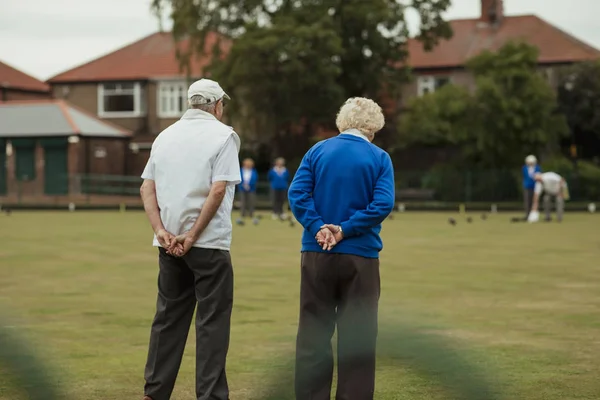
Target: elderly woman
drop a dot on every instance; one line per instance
(341, 193)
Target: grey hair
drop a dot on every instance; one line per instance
(199, 103)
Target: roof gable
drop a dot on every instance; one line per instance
(151, 57)
(473, 36)
(13, 78)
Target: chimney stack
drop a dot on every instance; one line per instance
(492, 11)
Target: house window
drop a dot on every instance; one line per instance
(429, 84)
(172, 99)
(121, 100)
(548, 75)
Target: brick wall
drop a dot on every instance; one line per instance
(85, 96)
(114, 162)
(104, 156)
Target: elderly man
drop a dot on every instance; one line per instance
(530, 168)
(188, 191)
(551, 185)
(348, 183)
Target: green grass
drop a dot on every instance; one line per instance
(523, 300)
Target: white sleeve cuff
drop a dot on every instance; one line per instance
(233, 179)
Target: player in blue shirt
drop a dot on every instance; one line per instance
(279, 178)
(529, 170)
(247, 190)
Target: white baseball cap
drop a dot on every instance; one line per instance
(207, 88)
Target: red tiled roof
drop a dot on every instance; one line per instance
(154, 56)
(151, 57)
(472, 36)
(13, 78)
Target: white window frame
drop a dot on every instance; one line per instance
(425, 84)
(429, 83)
(139, 102)
(170, 91)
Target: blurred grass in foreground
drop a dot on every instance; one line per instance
(523, 299)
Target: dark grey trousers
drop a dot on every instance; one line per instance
(248, 199)
(279, 197)
(342, 290)
(203, 277)
(527, 201)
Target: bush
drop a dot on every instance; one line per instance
(561, 165)
(451, 184)
(584, 182)
(447, 183)
(589, 180)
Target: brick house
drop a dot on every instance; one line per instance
(493, 29)
(139, 87)
(50, 151)
(17, 85)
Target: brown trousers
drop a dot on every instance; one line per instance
(342, 290)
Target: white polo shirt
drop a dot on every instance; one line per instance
(186, 158)
(550, 184)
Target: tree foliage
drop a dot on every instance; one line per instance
(292, 62)
(443, 117)
(579, 100)
(511, 112)
(579, 96)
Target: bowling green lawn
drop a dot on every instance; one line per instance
(521, 300)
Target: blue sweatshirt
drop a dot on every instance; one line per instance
(528, 180)
(279, 182)
(344, 181)
(251, 183)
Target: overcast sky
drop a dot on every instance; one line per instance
(45, 37)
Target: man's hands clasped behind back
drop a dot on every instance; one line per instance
(176, 246)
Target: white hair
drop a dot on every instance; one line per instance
(362, 114)
(199, 102)
(530, 159)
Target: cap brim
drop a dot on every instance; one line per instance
(226, 96)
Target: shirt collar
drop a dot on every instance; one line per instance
(194, 113)
(355, 132)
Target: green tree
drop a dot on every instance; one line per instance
(292, 62)
(516, 108)
(439, 118)
(281, 85)
(511, 112)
